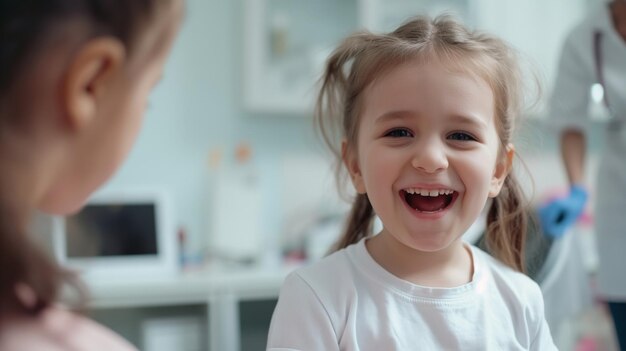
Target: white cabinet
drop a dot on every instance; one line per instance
(219, 290)
(286, 43)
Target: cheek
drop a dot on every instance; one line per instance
(380, 168)
(122, 137)
(128, 134)
(476, 173)
(133, 120)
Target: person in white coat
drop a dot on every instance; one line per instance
(595, 53)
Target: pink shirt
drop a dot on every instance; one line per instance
(58, 329)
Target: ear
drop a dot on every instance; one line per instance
(89, 78)
(352, 164)
(503, 167)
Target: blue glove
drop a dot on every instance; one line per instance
(560, 214)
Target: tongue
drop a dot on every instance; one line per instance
(426, 203)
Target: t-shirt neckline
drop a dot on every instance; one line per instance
(368, 266)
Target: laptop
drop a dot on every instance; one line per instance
(118, 235)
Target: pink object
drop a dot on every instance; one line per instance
(586, 343)
(554, 194)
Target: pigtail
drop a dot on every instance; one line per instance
(335, 118)
(507, 221)
(23, 266)
(336, 101)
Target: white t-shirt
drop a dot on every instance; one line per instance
(57, 329)
(347, 301)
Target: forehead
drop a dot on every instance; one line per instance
(429, 89)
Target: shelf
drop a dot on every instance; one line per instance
(285, 51)
(252, 283)
(286, 43)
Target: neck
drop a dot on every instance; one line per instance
(449, 267)
(23, 173)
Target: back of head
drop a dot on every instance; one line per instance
(25, 25)
(363, 57)
(27, 29)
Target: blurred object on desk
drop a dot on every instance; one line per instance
(321, 237)
(118, 235)
(237, 226)
(309, 197)
(179, 333)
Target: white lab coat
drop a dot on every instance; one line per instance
(569, 108)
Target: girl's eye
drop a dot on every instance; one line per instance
(461, 136)
(399, 133)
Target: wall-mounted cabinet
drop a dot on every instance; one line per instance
(286, 43)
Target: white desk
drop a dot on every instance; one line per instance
(221, 289)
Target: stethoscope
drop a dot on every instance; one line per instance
(615, 124)
(599, 63)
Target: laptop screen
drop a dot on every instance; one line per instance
(112, 230)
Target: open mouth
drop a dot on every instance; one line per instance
(428, 200)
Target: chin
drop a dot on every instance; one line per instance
(63, 209)
(75, 208)
(63, 203)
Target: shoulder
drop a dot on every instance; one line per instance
(311, 306)
(330, 273)
(330, 284)
(514, 286)
(520, 299)
(57, 329)
(328, 268)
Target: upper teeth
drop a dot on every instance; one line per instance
(429, 192)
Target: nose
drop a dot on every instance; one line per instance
(430, 157)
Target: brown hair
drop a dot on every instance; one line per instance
(24, 27)
(362, 57)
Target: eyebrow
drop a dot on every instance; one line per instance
(393, 115)
(403, 114)
(470, 119)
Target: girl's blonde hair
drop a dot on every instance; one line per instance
(363, 57)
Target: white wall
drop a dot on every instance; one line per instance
(198, 106)
(537, 28)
